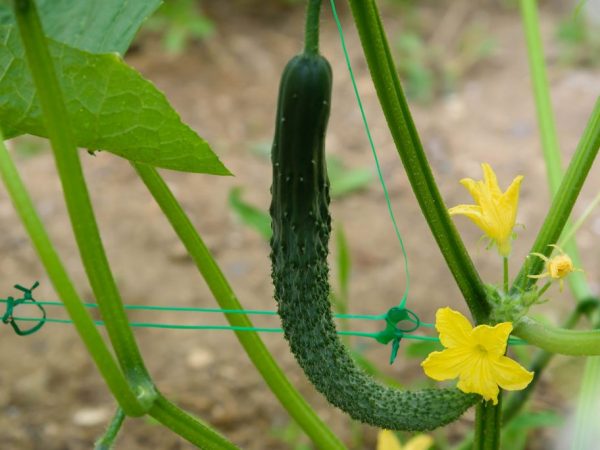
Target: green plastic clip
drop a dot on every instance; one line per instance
(12, 303)
(393, 332)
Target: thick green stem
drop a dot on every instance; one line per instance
(295, 404)
(559, 340)
(488, 423)
(311, 33)
(562, 204)
(187, 426)
(83, 222)
(64, 287)
(550, 146)
(395, 108)
(107, 440)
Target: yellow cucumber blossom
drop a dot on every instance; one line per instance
(475, 356)
(387, 440)
(557, 267)
(495, 212)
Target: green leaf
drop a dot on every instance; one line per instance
(112, 107)
(91, 25)
(250, 215)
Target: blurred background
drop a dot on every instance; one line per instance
(464, 68)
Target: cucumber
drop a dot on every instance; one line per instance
(299, 247)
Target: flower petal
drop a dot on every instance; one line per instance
(493, 339)
(420, 442)
(490, 180)
(472, 212)
(473, 187)
(453, 327)
(479, 380)
(510, 375)
(447, 364)
(387, 440)
(511, 197)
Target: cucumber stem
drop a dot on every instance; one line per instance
(311, 31)
(488, 425)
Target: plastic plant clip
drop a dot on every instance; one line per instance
(393, 332)
(12, 303)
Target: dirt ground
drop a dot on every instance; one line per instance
(51, 395)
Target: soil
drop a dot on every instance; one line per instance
(225, 87)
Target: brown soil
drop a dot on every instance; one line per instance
(51, 395)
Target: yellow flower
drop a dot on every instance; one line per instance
(475, 356)
(494, 212)
(387, 440)
(557, 267)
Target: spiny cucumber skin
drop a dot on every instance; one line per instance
(299, 247)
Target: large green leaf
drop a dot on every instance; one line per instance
(92, 25)
(112, 107)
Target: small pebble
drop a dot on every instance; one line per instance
(89, 417)
(199, 358)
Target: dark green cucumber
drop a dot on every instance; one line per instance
(301, 226)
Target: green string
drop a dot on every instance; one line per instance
(374, 152)
(219, 327)
(512, 341)
(248, 312)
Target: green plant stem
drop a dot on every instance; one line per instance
(395, 108)
(107, 440)
(570, 232)
(541, 92)
(187, 426)
(544, 288)
(546, 122)
(586, 426)
(562, 204)
(311, 33)
(559, 340)
(295, 404)
(488, 425)
(77, 199)
(505, 272)
(64, 287)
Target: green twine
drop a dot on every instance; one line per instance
(220, 327)
(374, 152)
(391, 320)
(248, 312)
